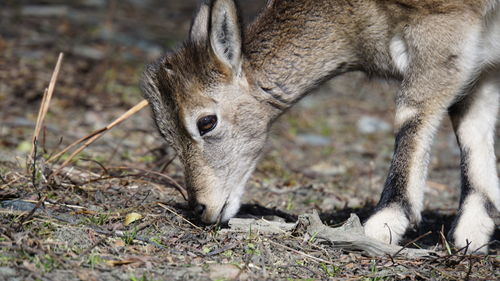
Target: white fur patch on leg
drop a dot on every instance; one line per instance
(399, 53)
(387, 225)
(403, 114)
(474, 226)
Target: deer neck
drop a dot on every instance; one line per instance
(289, 54)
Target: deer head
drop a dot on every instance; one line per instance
(207, 107)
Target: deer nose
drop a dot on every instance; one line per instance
(199, 209)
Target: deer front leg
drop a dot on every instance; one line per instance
(421, 103)
(402, 198)
(474, 124)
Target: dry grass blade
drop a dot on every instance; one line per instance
(97, 134)
(39, 120)
(44, 107)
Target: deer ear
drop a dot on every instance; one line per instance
(225, 34)
(200, 24)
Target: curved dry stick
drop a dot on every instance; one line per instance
(96, 135)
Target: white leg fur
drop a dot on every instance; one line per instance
(476, 133)
(403, 114)
(388, 225)
(474, 226)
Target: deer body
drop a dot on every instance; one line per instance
(214, 99)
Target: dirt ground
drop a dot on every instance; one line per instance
(330, 153)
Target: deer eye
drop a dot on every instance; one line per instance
(206, 124)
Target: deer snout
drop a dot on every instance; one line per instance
(199, 209)
(207, 213)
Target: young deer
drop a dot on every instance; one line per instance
(215, 98)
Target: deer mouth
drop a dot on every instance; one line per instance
(220, 211)
(214, 216)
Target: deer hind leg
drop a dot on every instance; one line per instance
(474, 120)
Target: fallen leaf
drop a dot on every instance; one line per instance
(84, 212)
(123, 262)
(132, 217)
